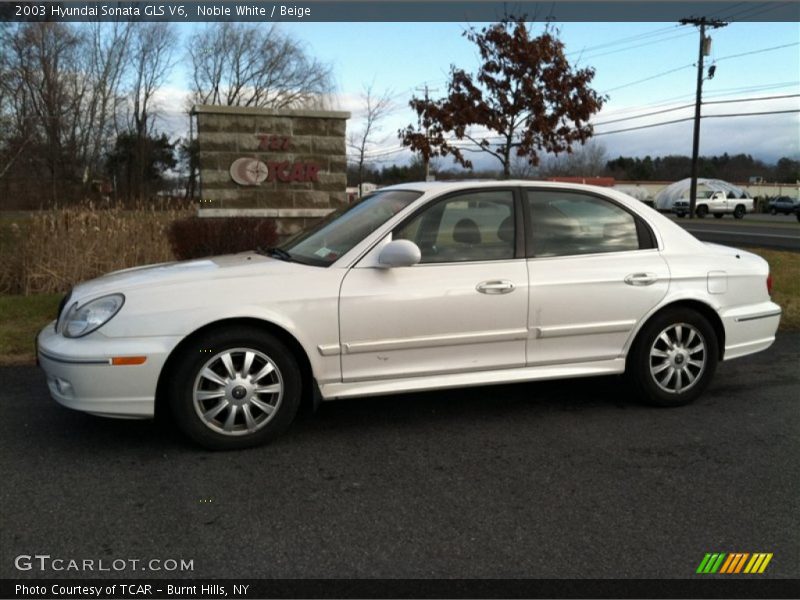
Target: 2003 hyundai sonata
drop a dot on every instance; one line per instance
(417, 287)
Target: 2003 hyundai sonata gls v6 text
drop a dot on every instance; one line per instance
(417, 287)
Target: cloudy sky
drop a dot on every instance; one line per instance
(643, 67)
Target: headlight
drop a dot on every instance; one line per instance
(83, 320)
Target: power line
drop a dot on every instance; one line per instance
(728, 17)
(755, 99)
(752, 114)
(760, 50)
(625, 49)
(757, 51)
(759, 10)
(685, 106)
(650, 114)
(640, 36)
(719, 92)
(638, 81)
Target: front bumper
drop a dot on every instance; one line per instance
(80, 374)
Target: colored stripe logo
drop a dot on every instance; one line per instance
(734, 563)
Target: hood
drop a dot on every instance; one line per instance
(163, 274)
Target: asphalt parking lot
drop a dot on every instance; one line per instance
(557, 479)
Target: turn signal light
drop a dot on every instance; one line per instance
(128, 360)
(769, 284)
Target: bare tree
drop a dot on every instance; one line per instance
(241, 64)
(152, 57)
(588, 161)
(360, 142)
(61, 96)
(152, 54)
(106, 52)
(45, 74)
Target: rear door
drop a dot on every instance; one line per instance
(595, 272)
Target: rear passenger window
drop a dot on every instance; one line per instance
(469, 227)
(571, 223)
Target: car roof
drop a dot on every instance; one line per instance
(443, 186)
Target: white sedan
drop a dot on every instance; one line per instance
(418, 287)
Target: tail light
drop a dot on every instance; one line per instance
(769, 284)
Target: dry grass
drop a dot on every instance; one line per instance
(54, 249)
(785, 270)
(23, 317)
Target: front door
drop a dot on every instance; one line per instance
(462, 308)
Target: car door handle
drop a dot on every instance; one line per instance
(497, 286)
(641, 279)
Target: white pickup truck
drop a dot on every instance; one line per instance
(715, 203)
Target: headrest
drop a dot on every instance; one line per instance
(466, 232)
(506, 230)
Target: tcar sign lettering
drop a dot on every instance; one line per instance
(252, 172)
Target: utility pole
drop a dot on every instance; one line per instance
(705, 47)
(426, 89)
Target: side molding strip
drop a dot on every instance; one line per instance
(593, 328)
(329, 349)
(435, 341)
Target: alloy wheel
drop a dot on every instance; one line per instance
(678, 358)
(238, 391)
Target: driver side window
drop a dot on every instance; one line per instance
(474, 226)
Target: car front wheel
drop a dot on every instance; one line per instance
(674, 358)
(235, 388)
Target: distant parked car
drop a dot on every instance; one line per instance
(783, 205)
(716, 203)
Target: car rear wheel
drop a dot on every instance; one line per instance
(234, 389)
(739, 211)
(674, 358)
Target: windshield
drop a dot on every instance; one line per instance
(340, 231)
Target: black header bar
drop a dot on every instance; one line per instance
(462, 11)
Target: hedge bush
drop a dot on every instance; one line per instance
(197, 237)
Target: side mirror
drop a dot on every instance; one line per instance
(399, 253)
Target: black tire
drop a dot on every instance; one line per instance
(739, 212)
(701, 211)
(680, 215)
(209, 351)
(641, 364)
(718, 215)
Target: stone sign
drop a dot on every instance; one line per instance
(286, 164)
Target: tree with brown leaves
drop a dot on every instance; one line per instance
(525, 99)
